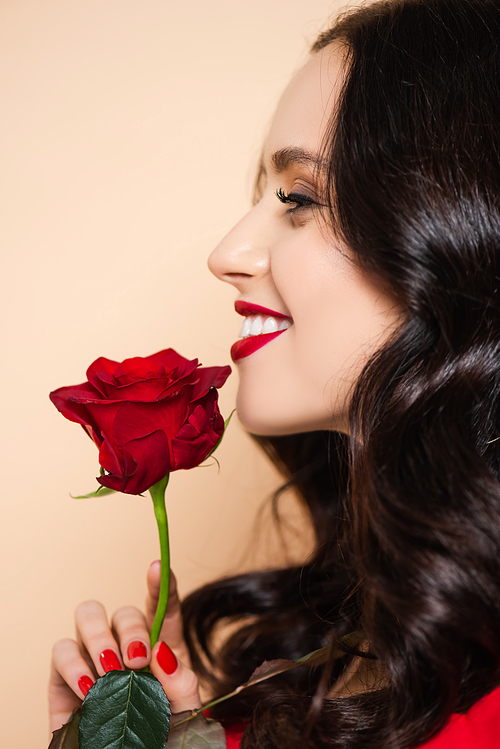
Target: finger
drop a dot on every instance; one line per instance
(71, 679)
(95, 635)
(130, 628)
(178, 681)
(70, 668)
(172, 628)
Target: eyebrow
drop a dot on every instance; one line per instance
(286, 157)
(281, 161)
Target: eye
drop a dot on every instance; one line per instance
(295, 198)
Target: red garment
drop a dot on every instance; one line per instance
(234, 733)
(478, 728)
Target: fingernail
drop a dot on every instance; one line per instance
(109, 661)
(84, 684)
(136, 649)
(166, 659)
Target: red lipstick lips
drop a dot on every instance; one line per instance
(246, 308)
(246, 346)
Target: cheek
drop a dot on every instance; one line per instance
(317, 287)
(341, 319)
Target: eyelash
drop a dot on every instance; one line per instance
(297, 199)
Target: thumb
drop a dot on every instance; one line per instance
(153, 582)
(178, 681)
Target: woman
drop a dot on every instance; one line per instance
(369, 365)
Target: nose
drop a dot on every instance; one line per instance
(243, 255)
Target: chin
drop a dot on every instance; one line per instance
(257, 418)
(261, 419)
(261, 427)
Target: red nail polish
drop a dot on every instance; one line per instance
(84, 684)
(136, 649)
(166, 659)
(109, 661)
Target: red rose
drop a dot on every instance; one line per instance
(148, 416)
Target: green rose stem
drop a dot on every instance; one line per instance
(157, 492)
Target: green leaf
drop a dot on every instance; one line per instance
(67, 736)
(199, 733)
(125, 710)
(100, 492)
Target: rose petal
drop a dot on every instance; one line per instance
(147, 461)
(112, 460)
(137, 367)
(141, 378)
(136, 420)
(196, 439)
(103, 414)
(63, 400)
(210, 377)
(94, 436)
(116, 483)
(170, 359)
(97, 371)
(152, 456)
(163, 362)
(142, 390)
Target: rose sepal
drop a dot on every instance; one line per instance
(102, 491)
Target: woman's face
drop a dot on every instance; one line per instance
(322, 316)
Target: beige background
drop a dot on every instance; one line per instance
(129, 132)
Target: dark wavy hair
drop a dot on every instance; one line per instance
(406, 510)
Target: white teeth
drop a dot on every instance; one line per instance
(256, 328)
(270, 325)
(259, 324)
(245, 327)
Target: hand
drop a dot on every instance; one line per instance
(100, 647)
